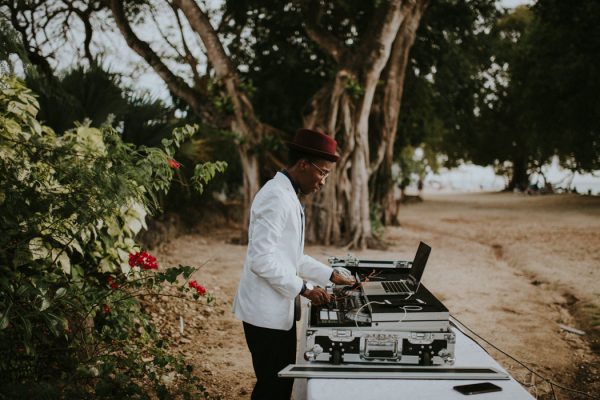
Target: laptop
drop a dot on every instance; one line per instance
(403, 286)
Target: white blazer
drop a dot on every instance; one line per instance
(275, 260)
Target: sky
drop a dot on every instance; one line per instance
(514, 3)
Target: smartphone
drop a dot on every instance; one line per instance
(475, 388)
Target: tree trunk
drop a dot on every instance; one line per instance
(327, 215)
(250, 170)
(520, 178)
(341, 213)
(176, 85)
(243, 122)
(387, 111)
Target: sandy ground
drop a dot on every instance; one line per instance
(510, 266)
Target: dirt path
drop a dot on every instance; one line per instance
(511, 267)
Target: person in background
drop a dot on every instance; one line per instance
(276, 271)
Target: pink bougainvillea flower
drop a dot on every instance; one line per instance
(174, 164)
(199, 288)
(106, 308)
(112, 283)
(143, 260)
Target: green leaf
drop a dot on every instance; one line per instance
(60, 292)
(4, 318)
(62, 259)
(45, 303)
(38, 249)
(26, 324)
(76, 272)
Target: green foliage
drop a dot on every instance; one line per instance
(502, 138)
(558, 75)
(445, 77)
(542, 91)
(411, 166)
(70, 207)
(10, 45)
(283, 64)
(96, 95)
(219, 98)
(354, 88)
(205, 172)
(377, 227)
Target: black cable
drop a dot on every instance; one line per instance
(526, 385)
(508, 355)
(552, 383)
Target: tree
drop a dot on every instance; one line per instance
(45, 26)
(322, 70)
(560, 80)
(503, 134)
(70, 270)
(361, 70)
(352, 42)
(339, 66)
(242, 121)
(543, 92)
(343, 107)
(443, 80)
(235, 113)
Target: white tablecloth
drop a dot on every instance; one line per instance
(468, 354)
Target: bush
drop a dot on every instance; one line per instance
(70, 270)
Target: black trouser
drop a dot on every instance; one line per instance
(271, 350)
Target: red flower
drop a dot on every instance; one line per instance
(174, 164)
(106, 308)
(199, 288)
(112, 283)
(133, 259)
(142, 260)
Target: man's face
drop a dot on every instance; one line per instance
(314, 175)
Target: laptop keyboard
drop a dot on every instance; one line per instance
(395, 287)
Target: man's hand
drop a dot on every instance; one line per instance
(317, 296)
(340, 279)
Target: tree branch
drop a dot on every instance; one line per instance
(33, 52)
(189, 57)
(175, 84)
(312, 12)
(384, 24)
(201, 25)
(84, 16)
(393, 83)
(245, 120)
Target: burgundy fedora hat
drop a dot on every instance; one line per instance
(315, 143)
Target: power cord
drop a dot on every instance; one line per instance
(552, 383)
(363, 306)
(405, 308)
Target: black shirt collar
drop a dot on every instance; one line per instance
(294, 185)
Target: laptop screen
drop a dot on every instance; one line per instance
(418, 266)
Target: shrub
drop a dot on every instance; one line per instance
(70, 270)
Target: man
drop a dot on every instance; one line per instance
(275, 264)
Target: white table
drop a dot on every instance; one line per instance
(468, 354)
